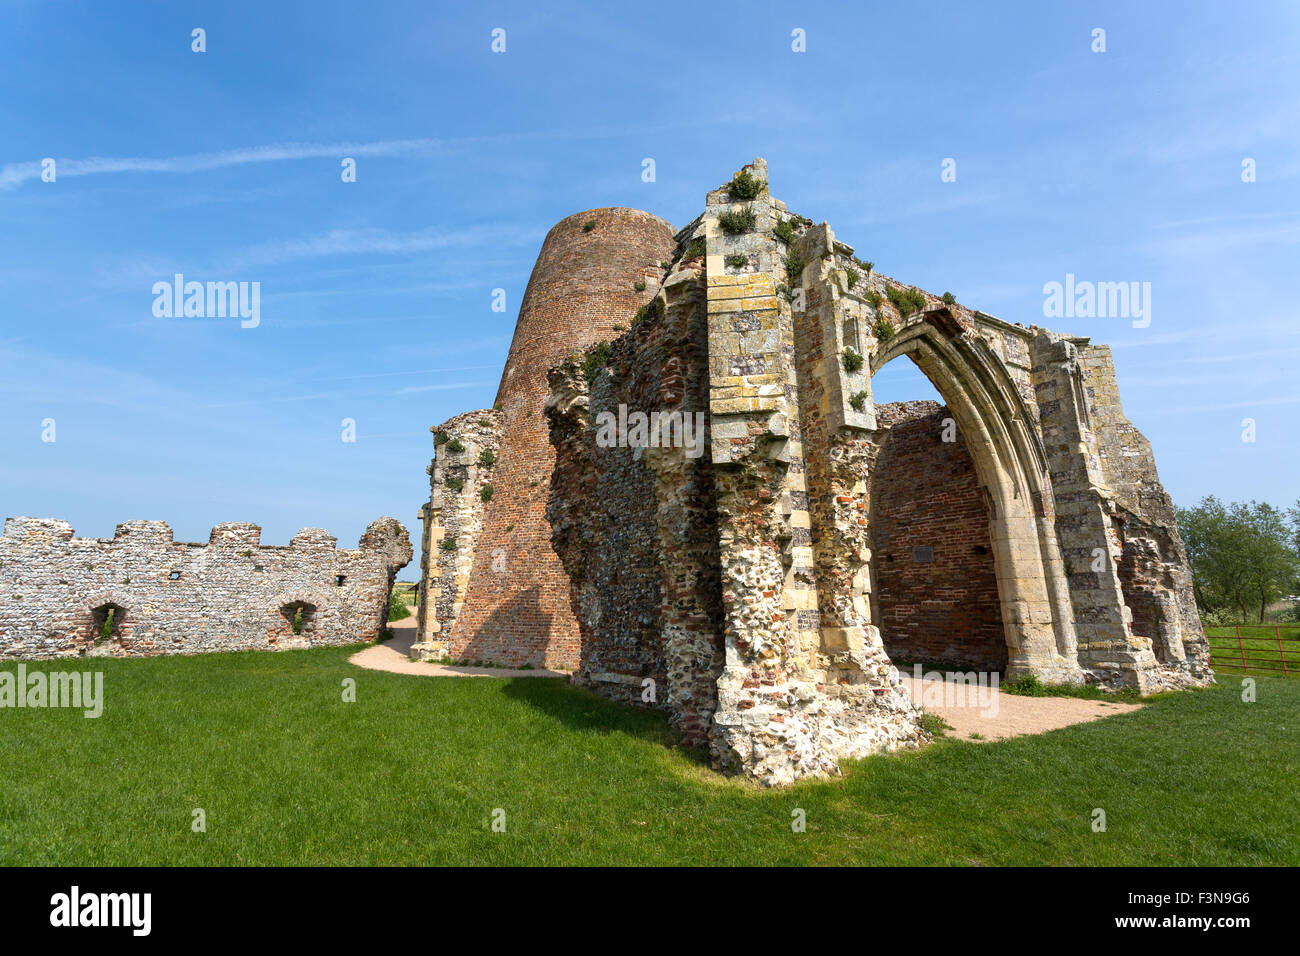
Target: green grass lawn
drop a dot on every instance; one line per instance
(1263, 655)
(411, 773)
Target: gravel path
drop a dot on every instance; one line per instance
(979, 713)
(973, 714)
(394, 656)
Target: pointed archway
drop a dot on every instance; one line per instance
(1011, 466)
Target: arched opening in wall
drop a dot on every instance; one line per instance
(936, 598)
(299, 622)
(106, 623)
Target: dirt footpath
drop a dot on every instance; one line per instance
(985, 714)
(394, 656)
(974, 713)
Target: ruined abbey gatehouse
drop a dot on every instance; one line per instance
(761, 581)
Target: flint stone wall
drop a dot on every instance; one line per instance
(170, 597)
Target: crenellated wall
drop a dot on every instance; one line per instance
(170, 597)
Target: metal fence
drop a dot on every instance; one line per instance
(1256, 647)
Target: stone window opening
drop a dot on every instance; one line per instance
(106, 622)
(174, 576)
(339, 580)
(301, 617)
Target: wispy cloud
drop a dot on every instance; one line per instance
(15, 174)
(1226, 406)
(439, 388)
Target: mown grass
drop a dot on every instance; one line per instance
(288, 773)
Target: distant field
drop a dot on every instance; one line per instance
(1263, 652)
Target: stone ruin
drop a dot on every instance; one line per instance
(762, 592)
(140, 593)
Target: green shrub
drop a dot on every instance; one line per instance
(448, 544)
(852, 361)
(589, 225)
(873, 297)
(906, 301)
(454, 446)
(737, 261)
(487, 458)
(864, 265)
(595, 362)
(746, 185)
(457, 485)
(439, 437)
(852, 276)
(639, 285)
(934, 725)
(485, 493)
(793, 263)
(695, 248)
(785, 231)
(858, 400)
(884, 329)
(949, 299)
(647, 312)
(397, 609)
(736, 221)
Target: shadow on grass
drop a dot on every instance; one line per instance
(581, 709)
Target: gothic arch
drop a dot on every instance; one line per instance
(1011, 465)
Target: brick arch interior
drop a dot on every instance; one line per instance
(1033, 596)
(936, 586)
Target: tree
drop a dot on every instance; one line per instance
(1241, 553)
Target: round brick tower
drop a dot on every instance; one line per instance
(517, 608)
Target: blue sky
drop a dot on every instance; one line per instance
(376, 295)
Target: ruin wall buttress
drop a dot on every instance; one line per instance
(170, 597)
(631, 510)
